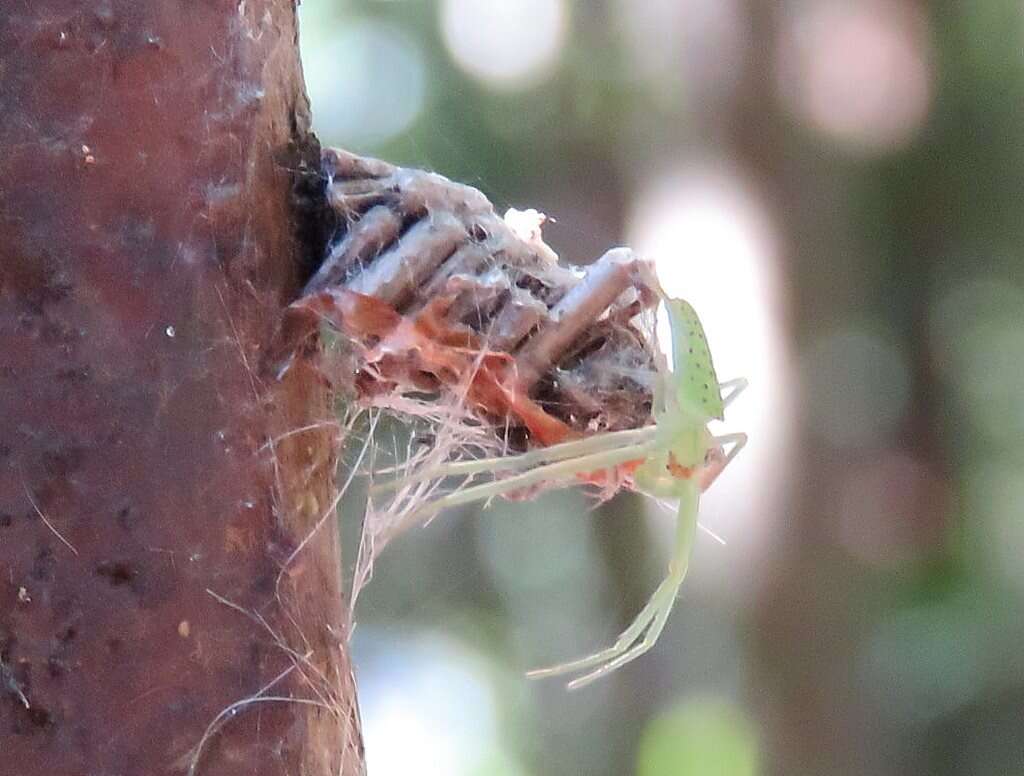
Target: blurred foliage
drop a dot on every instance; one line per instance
(878, 632)
(699, 736)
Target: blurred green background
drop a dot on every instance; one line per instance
(836, 187)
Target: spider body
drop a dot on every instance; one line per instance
(684, 460)
(686, 398)
(676, 457)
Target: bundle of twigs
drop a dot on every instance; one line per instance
(439, 293)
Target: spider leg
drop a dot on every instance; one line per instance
(734, 387)
(576, 449)
(649, 639)
(647, 625)
(623, 644)
(560, 470)
(719, 461)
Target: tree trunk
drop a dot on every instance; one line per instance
(161, 609)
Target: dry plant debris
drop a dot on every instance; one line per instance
(441, 296)
(446, 313)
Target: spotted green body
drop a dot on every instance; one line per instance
(687, 397)
(693, 375)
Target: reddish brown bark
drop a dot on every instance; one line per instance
(148, 240)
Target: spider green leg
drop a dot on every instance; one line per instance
(717, 463)
(622, 644)
(664, 597)
(552, 472)
(581, 447)
(734, 387)
(645, 629)
(738, 442)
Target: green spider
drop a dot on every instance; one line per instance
(680, 459)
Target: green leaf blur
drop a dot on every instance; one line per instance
(702, 736)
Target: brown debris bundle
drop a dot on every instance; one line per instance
(439, 294)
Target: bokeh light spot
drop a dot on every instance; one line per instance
(431, 694)
(915, 672)
(858, 387)
(366, 85)
(994, 493)
(526, 549)
(858, 72)
(689, 49)
(700, 736)
(978, 330)
(507, 45)
(892, 509)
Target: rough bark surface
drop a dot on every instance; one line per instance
(153, 563)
